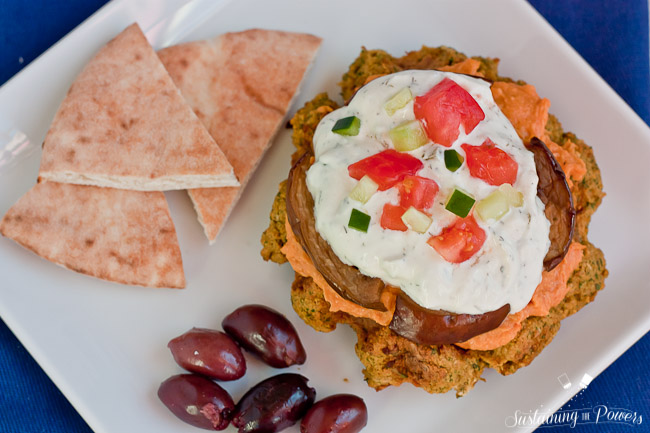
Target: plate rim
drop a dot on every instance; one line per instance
(112, 7)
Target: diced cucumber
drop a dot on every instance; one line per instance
(399, 100)
(359, 221)
(347, 126)
(498, 203)
(364, 189)
(453, 160)
(515, 198)
(416, 220)
(494, 206)
(460, 203)
(408, 136)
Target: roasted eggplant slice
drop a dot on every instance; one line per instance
(554, 192)
(346, 280)
(424, 326)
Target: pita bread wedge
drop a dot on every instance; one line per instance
(124, 124)
(241, 86)
(116, 235)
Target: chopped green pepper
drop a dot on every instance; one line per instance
(359, 221)
(460, 203)
(347, 126)
(453, 160)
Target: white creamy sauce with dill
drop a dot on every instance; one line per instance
(507, 268)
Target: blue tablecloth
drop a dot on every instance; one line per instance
(611, 35)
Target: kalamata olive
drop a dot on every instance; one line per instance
(267, 334)
(197, 401)
(274, 404)
(340, 413)
(210, 353)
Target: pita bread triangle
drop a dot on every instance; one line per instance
(241, 86)
(124, 124)
(116, 235)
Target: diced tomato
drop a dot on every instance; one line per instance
(386, 168)
(459, 241)
(444, 108)
(490, 164)
(391, 217)
(419, 192)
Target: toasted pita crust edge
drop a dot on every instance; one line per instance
(133, 241)
(163, 183)
(125, 124)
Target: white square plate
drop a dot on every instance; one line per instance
(104, 344)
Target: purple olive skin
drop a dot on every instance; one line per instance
(210, 353)
(197, 401)
(340, 413)
(267, 334)
(274, 404)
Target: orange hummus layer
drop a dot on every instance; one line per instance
(302, 264)
(548, 294)
(528, 113)
(468, 66)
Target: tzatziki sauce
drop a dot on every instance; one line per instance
(507, 268)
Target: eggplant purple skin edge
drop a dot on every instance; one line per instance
(553, 190)
(345, 279)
